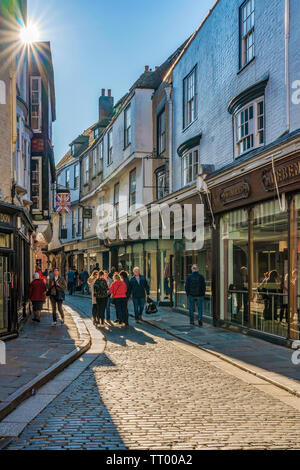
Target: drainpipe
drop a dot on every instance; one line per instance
(168, 91)
(287, 64)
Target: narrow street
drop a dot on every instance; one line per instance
(150, 391)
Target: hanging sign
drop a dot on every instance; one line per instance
(63, 203)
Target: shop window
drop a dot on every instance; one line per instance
(249, 127)
(190, 166)
(269, 251)
(294, 275)
(234, 298)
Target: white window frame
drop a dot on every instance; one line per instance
(161, 132)
(86, 169)
(190, 164)
(116, 212)
(95, 162)
(109, 146)
(39, 209)
(255, 137)
(68, 177)
(132, 192)
(76, 176)
(127, 126)
(247, 42)
(39, 104)
(190, 98)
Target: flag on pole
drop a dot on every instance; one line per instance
(63, 203)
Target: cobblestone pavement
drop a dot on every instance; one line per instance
(147, 393)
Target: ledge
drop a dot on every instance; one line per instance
(189, 144)
(251, 93)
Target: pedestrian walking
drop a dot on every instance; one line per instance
(118, 292)
(124, 277)
(109, 283)
(195, 288)
(37, 295)
(101, 294)
(83, 277)
(91, 282)
(56, 291)
(71, 281)
(138, 289)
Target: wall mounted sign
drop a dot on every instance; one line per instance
(285, 174)
(235, 192)
(5, 218)
(87, 213)
(37, 145)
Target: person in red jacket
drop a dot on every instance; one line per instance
(118, 291)
(37, 295)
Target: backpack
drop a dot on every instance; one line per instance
(196, 286)
(100, 289)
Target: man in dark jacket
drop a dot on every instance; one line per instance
(138, 289)
(195, 290)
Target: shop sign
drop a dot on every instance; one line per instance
(286, 174)
(87, 213)
(5, 218)
(235, 192)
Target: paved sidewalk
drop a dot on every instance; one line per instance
(261, 357)
(39, 347)
(271, 361)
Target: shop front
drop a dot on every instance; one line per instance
(259, 249)
(15, 268)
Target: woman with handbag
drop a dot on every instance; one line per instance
(118, 292)
(36, 294)
(56, 292)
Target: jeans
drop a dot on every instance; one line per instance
(84, 287)
(71, 287)
(121, 309)
(101, 304)
(191, 305)
(59, 303)
(139, 305)
(95, 312)
(108, 308)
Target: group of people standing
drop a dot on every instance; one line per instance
(116, 288)
(52, 285)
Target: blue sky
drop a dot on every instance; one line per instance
(106, 44)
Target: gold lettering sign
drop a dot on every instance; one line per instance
(235, 192)
(4, 218)
(283, 175)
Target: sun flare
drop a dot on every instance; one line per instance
(30, 33)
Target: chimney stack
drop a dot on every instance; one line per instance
(106, 105)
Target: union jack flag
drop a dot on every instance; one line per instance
(63, 203)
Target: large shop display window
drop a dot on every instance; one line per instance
(295, 268)
(203, 259)
(269, 303)
(234, 267)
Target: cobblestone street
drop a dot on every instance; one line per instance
(147, 391)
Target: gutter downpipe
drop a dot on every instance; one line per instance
(287, 64)
(170, 103)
